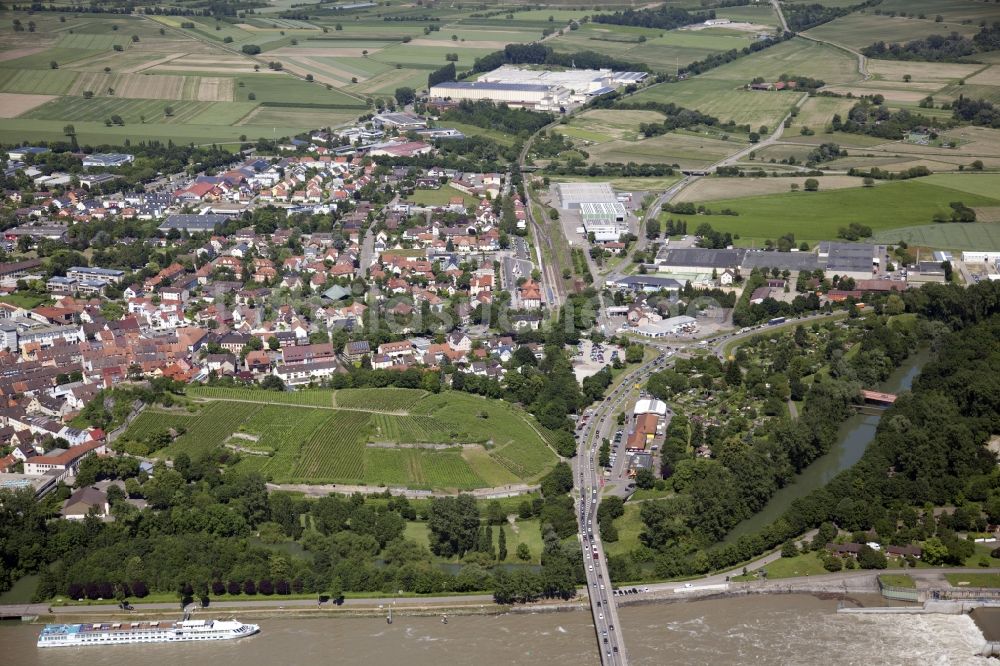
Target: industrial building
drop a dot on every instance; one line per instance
(572, 195)
(546, 90)
(667, 327)
(107, 160)
(402, 121)
(602, 213)
(647, 283)
(192, 223)
(605, 220)
(856, 260)
(582, 84)
(650, 406)
(527, 95)
(980, 257)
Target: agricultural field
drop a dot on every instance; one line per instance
(722, 91)
(362, 436)
(211, 87)
(714, 189)
(799, 57)
(817, 112)
(862, 29)
(685, 150)
(815, 216)
(980, 236)
(663, 50)
(14, 104)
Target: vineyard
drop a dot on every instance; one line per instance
(213, 425)
(421, 468)
(336, 450)
(305, 398)
(151, 422)
(321, 436)
(522, 459)
(379, 400)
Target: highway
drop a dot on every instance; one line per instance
(587, 477)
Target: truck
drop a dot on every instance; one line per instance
(776, 321)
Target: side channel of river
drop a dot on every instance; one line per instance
(854, 436)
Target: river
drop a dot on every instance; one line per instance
(780, 629)
(854, 436)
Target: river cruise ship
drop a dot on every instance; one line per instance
(120, 633)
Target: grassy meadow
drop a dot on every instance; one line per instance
(814, 216)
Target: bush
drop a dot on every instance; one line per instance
(233, 587)
(869, 558)
(218, 588)
(250, 49)
(833, 564)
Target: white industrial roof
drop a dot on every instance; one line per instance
(648, 406)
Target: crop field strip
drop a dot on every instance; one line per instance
(131, 110)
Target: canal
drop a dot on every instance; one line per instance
(854, 436)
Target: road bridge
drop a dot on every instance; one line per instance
(587, 478)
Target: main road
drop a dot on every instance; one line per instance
(587, 489)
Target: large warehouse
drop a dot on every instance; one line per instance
(542, 89)
(573, 195)
(605, 220)
(530, 95)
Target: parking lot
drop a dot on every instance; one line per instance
(592, 358)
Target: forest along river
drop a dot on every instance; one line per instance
(854, 436)
(779, 629)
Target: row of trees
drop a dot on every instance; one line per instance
(938, 48)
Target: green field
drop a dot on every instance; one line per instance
(629, 526)
(140, 110)
(860, 30)
(375, 437)
(814, 216)
(440, 197)
(682, 149)
(973, 579)
(981, 236)
(898, 580)
(721, 92)
(44, 82)
(661, 50)
(288, 90)
(982, 184)
(807, 564)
